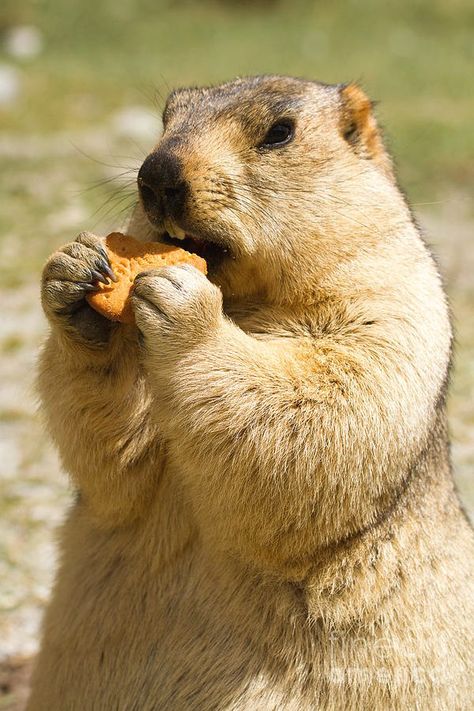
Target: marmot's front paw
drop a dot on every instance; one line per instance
(175, 308)
(69, 274)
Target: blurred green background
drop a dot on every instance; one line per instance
(417, 57)
(82, 84)
(97, 56)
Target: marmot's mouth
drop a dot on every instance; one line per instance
(209, 249)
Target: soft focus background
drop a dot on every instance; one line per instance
(82, 83)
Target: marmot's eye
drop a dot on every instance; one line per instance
(279, 134)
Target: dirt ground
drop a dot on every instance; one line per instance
(34, 492)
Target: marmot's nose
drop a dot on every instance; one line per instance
(161, 185)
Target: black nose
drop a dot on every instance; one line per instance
(162, 187)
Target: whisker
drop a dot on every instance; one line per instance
(114, 201)
(129, 202)
(107, 181)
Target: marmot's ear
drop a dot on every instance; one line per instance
(359, 126)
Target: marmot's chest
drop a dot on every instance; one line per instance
(261, 321)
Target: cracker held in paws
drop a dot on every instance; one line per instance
(128, 257)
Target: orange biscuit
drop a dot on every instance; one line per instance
(128, 257)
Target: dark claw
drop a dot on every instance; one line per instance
(103, 252)
(86, 286)
(97, 276)
(104, 267)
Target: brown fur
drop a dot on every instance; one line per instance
(266, 516)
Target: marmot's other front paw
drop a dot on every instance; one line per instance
(176, 308)
(69, 274)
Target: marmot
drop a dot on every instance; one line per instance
(265, 514)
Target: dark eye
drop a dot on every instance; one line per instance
(279, 134)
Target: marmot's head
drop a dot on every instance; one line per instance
(271, 179)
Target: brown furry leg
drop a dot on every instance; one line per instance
(93, 390)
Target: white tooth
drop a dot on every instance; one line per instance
(174, 231)
(179, 233)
